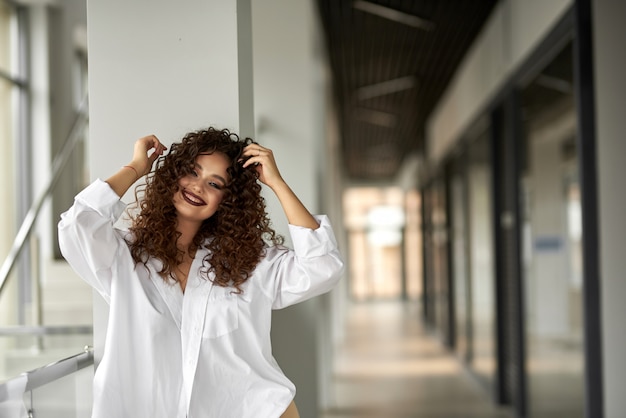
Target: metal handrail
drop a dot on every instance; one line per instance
(46, 330)
(29, 220)
(49, 373)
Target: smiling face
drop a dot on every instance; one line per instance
(200, 192)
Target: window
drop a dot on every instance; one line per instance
(13, 89)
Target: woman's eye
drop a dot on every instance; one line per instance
(215, 185)
(194, 173)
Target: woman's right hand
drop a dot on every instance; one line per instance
(142, 157)
(146, 151)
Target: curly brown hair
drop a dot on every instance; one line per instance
(235, 235)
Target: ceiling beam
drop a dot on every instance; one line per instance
(393, 15)
(386, 87)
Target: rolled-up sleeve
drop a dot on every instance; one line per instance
(312, 268)
(87, 237)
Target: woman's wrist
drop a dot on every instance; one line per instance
(130, 167)
(141, 167)
(278, 185)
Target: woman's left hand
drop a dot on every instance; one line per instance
(264, 163)
(262, 160)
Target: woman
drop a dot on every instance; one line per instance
(192, 283)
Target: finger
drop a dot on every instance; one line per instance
(157, 145)
(254, 149)
(154, 155)
(255, 155)
(158, 151)
(161, 148)
(252, 161)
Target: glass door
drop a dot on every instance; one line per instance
(552, 230)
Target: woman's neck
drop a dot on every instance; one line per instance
(187, 232)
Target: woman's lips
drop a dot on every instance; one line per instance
(192, 199)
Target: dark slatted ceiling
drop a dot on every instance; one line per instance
(391, 60)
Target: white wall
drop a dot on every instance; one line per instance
(332, 179)
(610, 67)
(513, 30)
(290, 92)
(288, 95)
(164, 68)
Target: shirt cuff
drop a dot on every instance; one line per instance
(309, 243)
(100, 197)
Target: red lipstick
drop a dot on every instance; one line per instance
(192, 199)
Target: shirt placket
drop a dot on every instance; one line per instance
(194, 313)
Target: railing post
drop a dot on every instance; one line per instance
(59, 162)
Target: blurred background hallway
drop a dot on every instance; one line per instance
(467, 153)
(389, 366)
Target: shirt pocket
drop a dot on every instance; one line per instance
(222, 316)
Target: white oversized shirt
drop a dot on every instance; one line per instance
(205, 353)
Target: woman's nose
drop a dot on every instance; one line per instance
(196, 184)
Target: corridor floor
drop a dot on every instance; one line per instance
(390, 367)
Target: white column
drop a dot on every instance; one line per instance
(162, 68)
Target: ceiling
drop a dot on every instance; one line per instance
(391, 60)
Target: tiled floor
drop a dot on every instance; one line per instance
(390, 367)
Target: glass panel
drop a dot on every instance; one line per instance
(7, 210)
(479, 178)
(6, 126)
(552, 266)
(7, 169)
(6, 123)
(28, 352)
(440, 259)
(67, 397)
(6, 13)
(459, 256)
(429, 292)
